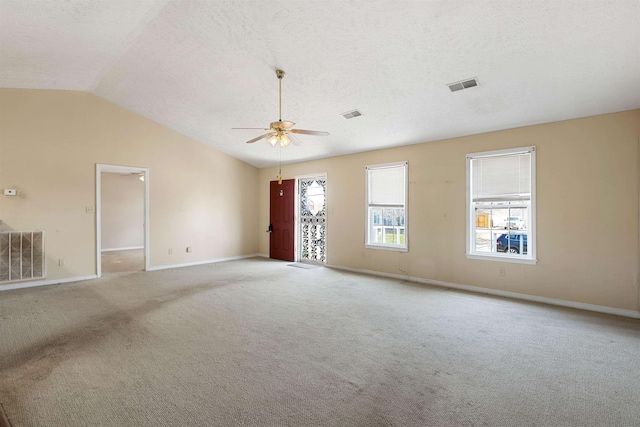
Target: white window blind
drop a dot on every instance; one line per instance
(386, 190)
(501, 178)
(501, 205)
(387, 186)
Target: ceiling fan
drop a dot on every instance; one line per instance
(278, 131)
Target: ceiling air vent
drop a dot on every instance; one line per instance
(351, 114)
(465, 84)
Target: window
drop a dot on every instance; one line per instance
(386, 206)
(501, 205)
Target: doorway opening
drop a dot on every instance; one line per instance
(312, 219)
(122, 218)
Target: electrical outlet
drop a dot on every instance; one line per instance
(170, 251)
(501, 271)
(89, 209)
(189, 249)
(61, 262)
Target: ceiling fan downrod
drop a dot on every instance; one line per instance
(280, 74)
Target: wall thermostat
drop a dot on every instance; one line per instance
(9, 192)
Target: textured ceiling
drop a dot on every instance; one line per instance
(203, 67)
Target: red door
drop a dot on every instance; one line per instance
(282, 234)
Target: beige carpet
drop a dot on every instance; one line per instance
(257, 343)
(4, 421)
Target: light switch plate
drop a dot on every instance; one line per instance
(9, 192)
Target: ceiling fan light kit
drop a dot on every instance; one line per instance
(279, 138)
(278, 131)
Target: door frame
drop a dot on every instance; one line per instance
(296, 212)
(100, 168)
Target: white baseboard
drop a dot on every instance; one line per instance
(122, 249)
(476, 289)
(514, 295)
(207, 261)
(34, 283)
(21, 285)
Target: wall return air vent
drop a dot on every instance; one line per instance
(21, 256)
(464, 84)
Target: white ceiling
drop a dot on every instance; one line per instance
(203, 67)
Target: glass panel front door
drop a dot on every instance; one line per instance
(313, 221)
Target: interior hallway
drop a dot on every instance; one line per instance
(122, 261)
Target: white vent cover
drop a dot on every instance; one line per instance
(351, 114)
(21, 255)
(464, 84)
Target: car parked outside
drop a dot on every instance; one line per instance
(512, 223)
(510, 243)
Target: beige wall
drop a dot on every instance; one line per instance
(50, 142)
(587, 190)
(587, 211)
(122, 210)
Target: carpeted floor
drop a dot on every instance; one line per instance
(306, 266)
(256, 343)
(122, 261)
(4, 421)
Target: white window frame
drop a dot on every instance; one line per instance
(530, 257)
(369, 217)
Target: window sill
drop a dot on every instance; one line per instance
(387, 248)
(503, 258)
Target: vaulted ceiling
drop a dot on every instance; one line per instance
(203, 67)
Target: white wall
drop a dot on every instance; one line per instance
(122, 211)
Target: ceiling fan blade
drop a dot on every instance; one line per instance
(309, 132)
(260, 137)
(294, 139)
